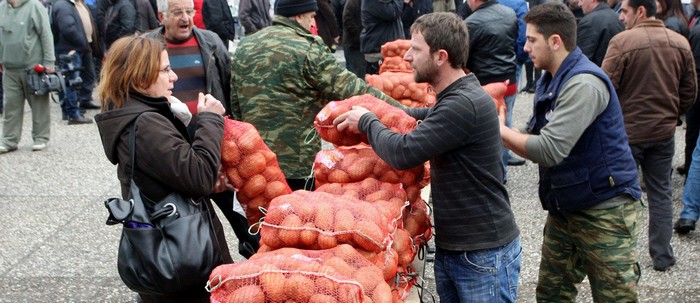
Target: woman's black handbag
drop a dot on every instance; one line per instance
(165, 247)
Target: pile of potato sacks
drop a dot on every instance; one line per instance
(355, 237)
(356, 225)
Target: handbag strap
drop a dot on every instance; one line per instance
(132, 146)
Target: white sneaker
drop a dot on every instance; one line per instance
(38, 146)
(4, 149)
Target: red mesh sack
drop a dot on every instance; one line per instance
(392, 117)
(417, 222)
(402, 87)
(404, 247)
(340, 274)
(406, 278)
(391, 196)
(346, 165)
(396, 48)
(318, 220)
(497, 91)
(394, 64)
(251, 167)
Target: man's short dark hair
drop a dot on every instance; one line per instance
(554, 18)
(445, 31)
(649, 5)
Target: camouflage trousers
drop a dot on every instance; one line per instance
(598, 243)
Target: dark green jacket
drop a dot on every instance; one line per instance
(281, 77)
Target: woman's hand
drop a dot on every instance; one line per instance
(207, 103)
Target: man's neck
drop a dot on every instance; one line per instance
(446, 78)
(558, 60)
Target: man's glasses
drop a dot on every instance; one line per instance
(178, 13)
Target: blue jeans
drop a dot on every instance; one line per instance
(487, 275)
(691, 194)
(69, 97)
(510, 102)
(87, 63)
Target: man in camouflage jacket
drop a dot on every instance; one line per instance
(281, 77)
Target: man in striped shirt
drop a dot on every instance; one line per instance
(461, 139)
(202, 64)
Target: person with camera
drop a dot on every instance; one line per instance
(25, 40)
(72, 50)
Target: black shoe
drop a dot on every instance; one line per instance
(79, 120)
(89, 105)
(515, 161)
(684, 226)
(665, 268)
(681, 170)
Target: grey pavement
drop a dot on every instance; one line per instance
(55, 247)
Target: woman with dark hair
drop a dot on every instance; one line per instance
(671, 12)
(135, 89)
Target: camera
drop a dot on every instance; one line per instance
(67, 73)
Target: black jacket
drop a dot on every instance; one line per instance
(493, 29)
(254, 15)
(69, 33)
(338, 6)
(411, 13)
(595, 31)
(352, 23)
(119, 21)
(381, 23)
(217, 18)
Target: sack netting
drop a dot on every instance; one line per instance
(340, 274)
(392, 117)
(318, 220)
(355, 164)
(393, 53)
(402, 87)
(251, 167)
(497, 91)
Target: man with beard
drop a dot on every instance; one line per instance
(588, 178)
(201, 62)
(460, 137)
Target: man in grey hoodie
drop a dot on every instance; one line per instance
(25, 40)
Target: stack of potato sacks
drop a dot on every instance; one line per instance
(355, 171)
(396, 77)
(316, 246)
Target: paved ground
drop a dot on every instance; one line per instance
(55, 247)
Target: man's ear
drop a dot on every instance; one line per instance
(161, 17)
(442, 57)
(641, 11)
(555, 42)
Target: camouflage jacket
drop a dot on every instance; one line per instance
(281, 77)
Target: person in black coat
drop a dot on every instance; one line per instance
(411, 11)
(596, 28)
(217, 18)
(352, 27)
(71, 41)
(381, 23)
(118, 20)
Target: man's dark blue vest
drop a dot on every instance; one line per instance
(600, 166)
